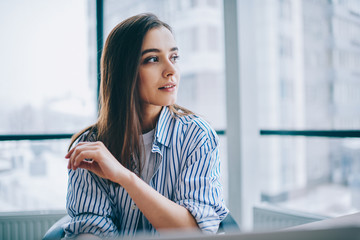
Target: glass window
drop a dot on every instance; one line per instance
(213, 3)
(314, 175)
(213, 38)
(48, 85)
(314, 87)
(33, 175)
(45, 85)
(285, 9)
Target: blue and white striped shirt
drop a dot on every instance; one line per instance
(187, 171)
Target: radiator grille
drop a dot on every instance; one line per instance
(27, 225)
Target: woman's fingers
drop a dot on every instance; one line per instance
(82, 157)
(103, 162)
(84, 154)
(91, 166)
(79, 153)
(69, 153)
(77, 146)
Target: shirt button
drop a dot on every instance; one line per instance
(133, 207)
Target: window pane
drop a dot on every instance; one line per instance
(47, 83)
(311, 81)
(33, 175)
(307, 59)
(314, 175)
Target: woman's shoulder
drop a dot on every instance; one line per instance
(197, 127)
(86, 135)
(194, 119)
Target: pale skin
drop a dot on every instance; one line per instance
(158, 84)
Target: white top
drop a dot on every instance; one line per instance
(148, 162)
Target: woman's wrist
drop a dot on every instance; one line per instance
(126, 178)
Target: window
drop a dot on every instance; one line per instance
(213, 3)
(295, 73)
(318, 93)
(285, 9)
(285, 47)
(194, 3)
(213, 38)
(48, 86)
(33, 175)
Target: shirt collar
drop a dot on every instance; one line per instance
(165, 126)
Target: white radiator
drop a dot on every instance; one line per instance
(27, 225)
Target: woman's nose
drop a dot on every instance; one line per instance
(169, 69)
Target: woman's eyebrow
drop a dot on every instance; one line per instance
(157, 50)
(174, 49)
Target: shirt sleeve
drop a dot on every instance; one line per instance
(88, 205)
(199, 188)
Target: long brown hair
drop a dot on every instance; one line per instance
(119, 122)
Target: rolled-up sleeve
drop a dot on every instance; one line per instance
(89, 206)
(199, 189)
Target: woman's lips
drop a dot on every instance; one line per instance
(169, 87)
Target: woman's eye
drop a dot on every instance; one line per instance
(175, 58)
(151, 60)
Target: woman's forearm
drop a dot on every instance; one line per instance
(161, 212)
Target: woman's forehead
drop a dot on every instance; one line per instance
(159, 38)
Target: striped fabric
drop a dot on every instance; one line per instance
(187, 171)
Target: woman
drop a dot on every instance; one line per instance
(146, 164)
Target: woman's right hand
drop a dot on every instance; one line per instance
(101, 162)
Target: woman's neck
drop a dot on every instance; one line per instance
(149, 118)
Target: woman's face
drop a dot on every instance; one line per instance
(158, 72)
